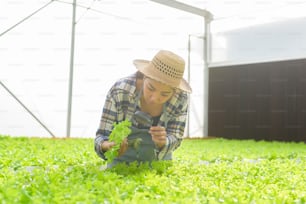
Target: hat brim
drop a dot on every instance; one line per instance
(142, 65)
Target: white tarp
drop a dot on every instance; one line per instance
(35, 58)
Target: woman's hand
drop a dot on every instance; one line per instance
(159, 136)
(123, 147)
(106, 145)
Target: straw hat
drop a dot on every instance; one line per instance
(166, 67)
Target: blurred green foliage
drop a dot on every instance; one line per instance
(36, 170)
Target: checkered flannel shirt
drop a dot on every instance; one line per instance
(120, 105)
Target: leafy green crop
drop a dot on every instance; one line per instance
(120, 131)
(214, 171)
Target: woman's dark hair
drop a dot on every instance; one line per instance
(139, 75)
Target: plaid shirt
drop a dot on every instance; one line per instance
(120, 105)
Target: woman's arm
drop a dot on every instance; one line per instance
(108, 118)
(175, 125)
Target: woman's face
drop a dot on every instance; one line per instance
(156, 93)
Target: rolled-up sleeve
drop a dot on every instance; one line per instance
(98, 142)
(171, 144)
(114, 110)
(108, 118)
(175, 129)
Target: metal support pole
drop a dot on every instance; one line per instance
(207, 16)
(71, 69)
(188, 79)
(28, 110)
(206, 57)
(26, 18)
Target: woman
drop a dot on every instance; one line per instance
(156, 93)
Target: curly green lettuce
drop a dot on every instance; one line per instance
(120, 131)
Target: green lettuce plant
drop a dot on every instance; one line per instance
(120, 131)
(44, 170)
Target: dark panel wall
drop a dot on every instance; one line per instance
(263, 101)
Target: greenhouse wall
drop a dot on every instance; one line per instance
(260, 43)
(257, 83)
(264, 101)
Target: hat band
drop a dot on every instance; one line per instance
(166, 69)
(160, 75)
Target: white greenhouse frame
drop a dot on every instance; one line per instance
(207, 17)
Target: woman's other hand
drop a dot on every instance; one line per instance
(159, 136)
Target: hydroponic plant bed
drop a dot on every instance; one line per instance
(36, 170)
